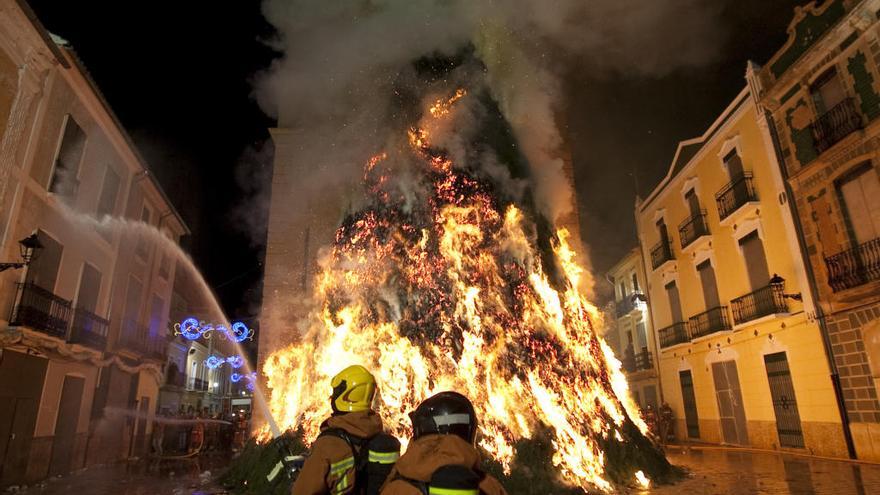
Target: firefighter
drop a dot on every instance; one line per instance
(442, 457)
(332, 465)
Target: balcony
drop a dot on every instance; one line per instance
(835, 124)
(197, 384)
(629, 303)
(738, 193)
(765, 301)
(709, 322)
(674, 334)
(89, 329)
(661, 253)
(136, 337)
(41, 310)
(633, 362)
(692, 229)
(854, 267)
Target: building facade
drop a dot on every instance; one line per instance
(821, 94)
(741, 359)
(82, 327)
(631, 333)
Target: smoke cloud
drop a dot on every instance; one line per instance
(342, 59)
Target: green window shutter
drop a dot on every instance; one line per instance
(863, 84)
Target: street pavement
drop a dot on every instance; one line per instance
(711, 471)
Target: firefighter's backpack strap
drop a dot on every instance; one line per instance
(454, 479)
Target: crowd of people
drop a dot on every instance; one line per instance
(191, 432)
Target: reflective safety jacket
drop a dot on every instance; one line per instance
(330, 467)
(429, 453)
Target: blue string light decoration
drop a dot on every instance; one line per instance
(214, 362)
(189, 328)
(236, 377)
(240, 332)
(235, 361)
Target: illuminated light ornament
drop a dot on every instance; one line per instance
(235, 361)
(240, 332)
(208, 329)
(250, 386)
(214, 362)
(236, 377)
(190, 328)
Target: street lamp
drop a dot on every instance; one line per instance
(28, 250)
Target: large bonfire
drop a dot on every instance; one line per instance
(439, 283)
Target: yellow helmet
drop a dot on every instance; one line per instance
(353, 390)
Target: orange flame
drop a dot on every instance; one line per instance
(522, 347)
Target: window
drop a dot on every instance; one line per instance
(70, 153)
(756, 262)
(142, 249)
(861, 198)
(132, 304)
(164, 267)
(642, 333)
(109, 192)
(622, 291)
(674, 302)
(734, 165)
(693, 202)
(828, 91)
(664, 233)
(157, 316)
(43, 270)
(89, 288)
(635, 281)
(710, 285)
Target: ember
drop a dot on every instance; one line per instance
(451, 293)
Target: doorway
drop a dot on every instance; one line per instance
(731, 412)
(65, 425)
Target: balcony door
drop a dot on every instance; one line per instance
(828, 91)
(674, 302)
(692, 421)
(89, 287)
(710, 285)
(734, 164)
(43, 270)
(861, 197)
(756, 261)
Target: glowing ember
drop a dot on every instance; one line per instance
(452, 294)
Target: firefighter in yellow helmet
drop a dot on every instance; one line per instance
(346, 436)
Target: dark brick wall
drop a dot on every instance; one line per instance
(859, 389)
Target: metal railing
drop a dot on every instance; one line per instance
(835, 124)
(736, 193)
(633, 362)
(661, 253)
(625, 305)
(137, 337)
(197, 384)
(709, 322)
(854, 267)
(693, 228)
(762, 302)
(89, 329)
(674, 334)
(41, 310)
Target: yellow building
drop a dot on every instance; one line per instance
(741, 361)
(821, 91)
(631, 333)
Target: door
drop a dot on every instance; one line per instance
(65, 426)
(827, 92)
(141, 428)
(89, 288)
(861, 196)
(730, 407)
(710, 285)
(21, 384)
(788, 419)
(734, 165)
(674, 302)
(43, 270)
(691, 419)
(693, 203)
(756, 262)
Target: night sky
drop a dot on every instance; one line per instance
(178, 76)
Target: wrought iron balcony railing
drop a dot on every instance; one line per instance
(762, 302)
(854, 267)
(835, 124)
(629, 302)
(674, 334)
(639, 361)
(709, 322)
(89, 329)
(736, 193)
(661, 253)
(136, 337)
(41, 310)
(693, 228)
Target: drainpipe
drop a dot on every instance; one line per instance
(814, 291)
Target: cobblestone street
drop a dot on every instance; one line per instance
(711, 472)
